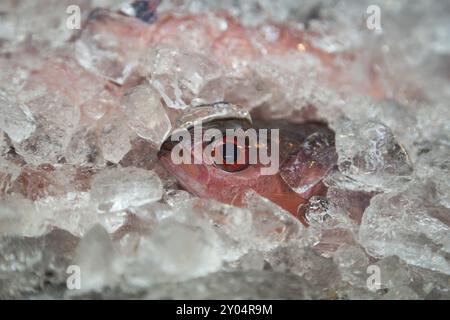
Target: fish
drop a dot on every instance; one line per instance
(300, 174)
(299, 177)
(122, 41)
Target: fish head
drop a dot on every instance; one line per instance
(223, 167)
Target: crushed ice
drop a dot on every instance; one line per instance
(82, 114)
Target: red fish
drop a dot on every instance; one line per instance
(306, 155)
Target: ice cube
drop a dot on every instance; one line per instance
(271, 226)
(146, 115)
(331, 224)
(212, 92)
(19, 258)
(183, 251)
(111, 45)
(178, 75)
(97, 259)
(352, 202)
(31, 266)
(370, 155)
(434, 284)
(4, 144)
(98, 105)
(45, 180)
(401, 293)
(142, 155)
(176, 198)
(249, 92)
(284, 74)
(9, 171)
(117, 189)
(114, 138)
(311, 164)
(83, 147)
(434, 163)
(19, 217)
(72, 212)
(252, 260)
(394, 273)
(233, 226)
(153, 213)
(352, 262)
(320, 272)
(56, 122)
(34, 183)
(318, 211)
(236, 285)
(15, 119)
(400, 118)
(409, 224)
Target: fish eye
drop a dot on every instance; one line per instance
(234, 156)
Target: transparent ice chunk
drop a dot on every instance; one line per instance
(97, 259)
(179, 76)
(83, 148)
(117, 189)
(352, 262)
(370, 155)
(183, 251)
(311, 164)
(15, 119)
(331, 223)
(146, 115)
(409, 224)
(56, 122)
(321, 273)
(394, 273)
(34, 267)
(114, 138)
(19, 217)
(107, 48)
(71, 212)
(272, 226)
